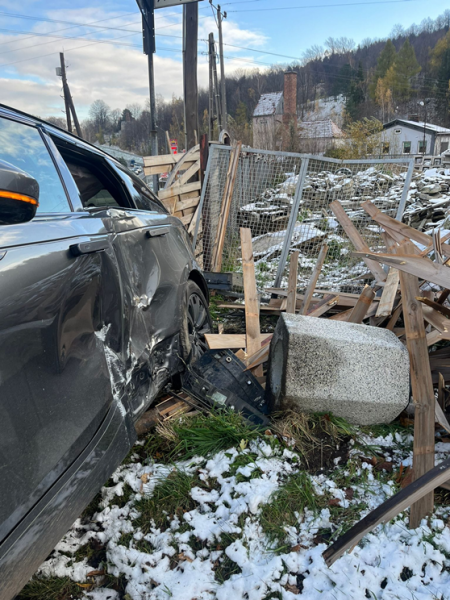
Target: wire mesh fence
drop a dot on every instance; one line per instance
(285, 200)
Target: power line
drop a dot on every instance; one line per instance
(326, 5)
(63, 29)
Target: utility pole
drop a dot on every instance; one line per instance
(190, 41)
(68, 102)
(216, 84)
(211, 87)
(221, 15)
(147, 9)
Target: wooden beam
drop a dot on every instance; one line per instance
(390, 289)
(253, 332)
(411, 494)
(440, 415)
(323, 306)
(422, 389)
(436, 305)
(225, 208)
(313, 280)
(178, 190)
(356, 239)
(435, 319)
(441, 391)
(189, 173)
(342, 316)
(292, 284)
(396, 228)
(420, 266)
(229, 341)
(362, 306)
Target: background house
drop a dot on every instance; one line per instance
(316, 137)
(267, 119)
(407, 137)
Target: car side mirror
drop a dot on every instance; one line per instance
(19, 195)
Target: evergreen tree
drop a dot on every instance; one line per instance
(343, 80)
(398, 77)
(440, 63)
(356, 95)
(385, 62)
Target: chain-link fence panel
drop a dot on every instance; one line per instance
(263, 196)
(383, 182)
(285, 200)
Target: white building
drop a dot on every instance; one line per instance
(413, 138)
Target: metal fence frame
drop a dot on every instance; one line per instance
(305, 160)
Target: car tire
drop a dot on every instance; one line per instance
(196, 322)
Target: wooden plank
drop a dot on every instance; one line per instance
(292, 284)
(157, 170)
(435, 319)
(441, 391)
(162, 159)
(390, 289)
(362, 306)
(434, 337)
(323, 307)
(189, 173)
(193, 223)
(422, 389)
(411, 494)
(420, 266)
(395, 317)
(394, 227)
(186, 220)
(190, 157)
(230, 341)
(389, 294)
(177, 190)
(436, 305)
(356, 239)
(185, 204)
(313, 280)
(253, 332)
(225, 208)
(440, 415)
(342, 316)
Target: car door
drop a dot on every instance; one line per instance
(60, 330)
(150, 248)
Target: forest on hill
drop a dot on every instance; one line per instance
(398, 77)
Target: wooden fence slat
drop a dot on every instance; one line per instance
(253, 332)
(356, 238)
(313, 280)
(422, 389)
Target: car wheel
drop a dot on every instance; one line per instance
(196, 322)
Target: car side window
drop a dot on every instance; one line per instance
(22, 146)
(143, 197)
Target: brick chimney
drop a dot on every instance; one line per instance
(290, 97)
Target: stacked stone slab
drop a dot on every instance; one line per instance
(354, 371)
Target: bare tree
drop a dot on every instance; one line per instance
(99, 113)
(135, 110)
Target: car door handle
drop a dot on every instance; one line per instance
(151, 233)
(88, 247)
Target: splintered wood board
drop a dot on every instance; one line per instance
(228, 341)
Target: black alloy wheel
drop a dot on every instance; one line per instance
(198, 323)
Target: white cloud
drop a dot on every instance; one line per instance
(115, 73)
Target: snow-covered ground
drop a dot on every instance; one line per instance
(222, 527)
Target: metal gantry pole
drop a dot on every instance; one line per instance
(292, 222)
(222, 69)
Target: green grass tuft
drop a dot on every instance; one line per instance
(51, 588)
(296, 494)
(171, 497)
(201, 435)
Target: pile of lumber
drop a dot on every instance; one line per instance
(181, 194)
(409, 297)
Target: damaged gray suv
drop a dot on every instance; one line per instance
(101, 305)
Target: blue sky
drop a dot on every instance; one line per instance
(104, 55)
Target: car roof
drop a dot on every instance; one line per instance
(50, 128)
